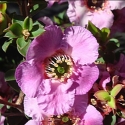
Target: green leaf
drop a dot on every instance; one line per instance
(18, 19)
(116, 90)
(102, 95)
(105, 32)
(16, 29)
(37, 30)
(22, 45)
(9, 34)
(100, 60)
(28, 24)
(113, 120)
(93, 29)
(111, 102)
(10, 75)
(6, 45)
(116, 41)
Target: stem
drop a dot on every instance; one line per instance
(19, 107)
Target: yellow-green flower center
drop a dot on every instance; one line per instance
(59, 66)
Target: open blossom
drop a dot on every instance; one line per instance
(59, 66)
(98, 12)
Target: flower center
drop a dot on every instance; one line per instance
(59, 67)
(95, 4)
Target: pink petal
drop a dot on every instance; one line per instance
(118, 4)
(84, 78)
(2, 118)
(33, 122)
(81, 42)
(103, 19)
(28, 77)
(46, 44)
(46, 20)
(93, 116)
(31, 109)
(57, 102)
(80, 104)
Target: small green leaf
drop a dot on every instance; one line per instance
(116, 90)
(100, 60)
(102, 95)
(111, 102)
(116, 41)
(105, 32)
(9, 34)
(37, 30)
(18, 19)
(6, 45)
(22, 46)
(28, 24)
(113, 120)
(93, 29)
(10, 75)
(16, 29)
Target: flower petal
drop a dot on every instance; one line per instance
(56, 103)
(80, 104)
(118, 4)
(33, 122)
(84, 78)
(81, 42)
(28, 77)
(31, 109)
(46, 44)
(96, 118)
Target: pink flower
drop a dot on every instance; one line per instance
(98, 12)
(59, 66)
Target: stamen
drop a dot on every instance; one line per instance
(95, 4)
(59, 67)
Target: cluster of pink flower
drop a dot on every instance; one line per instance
(62, 79)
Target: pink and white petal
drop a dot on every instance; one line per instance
(2, 118)
(46, 20)
(46, 44)
(57, 102)
(33, 122)
(103, 19)
(80, 104)
(82, 42)
(118, 4)
(95, 119)
(28, 77)
(75, 11)
(85, 78)
(31, 109)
